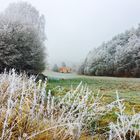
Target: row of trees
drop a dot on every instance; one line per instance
(118, 57)
(22, 36)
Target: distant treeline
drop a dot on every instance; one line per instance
(118, 57)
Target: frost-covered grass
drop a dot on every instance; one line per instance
(128, 88)
(27, 111)
(127, 126)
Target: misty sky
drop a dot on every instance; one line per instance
(74, 27)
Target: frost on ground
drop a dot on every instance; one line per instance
(28, 112)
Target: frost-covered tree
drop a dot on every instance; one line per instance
(55, 68)
(25, 13)
(22, 39)
(118, 57)
(63, 64)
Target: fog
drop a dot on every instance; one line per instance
(74, 27)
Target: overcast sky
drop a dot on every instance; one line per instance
(74, 27)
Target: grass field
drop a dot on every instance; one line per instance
(128, 89)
